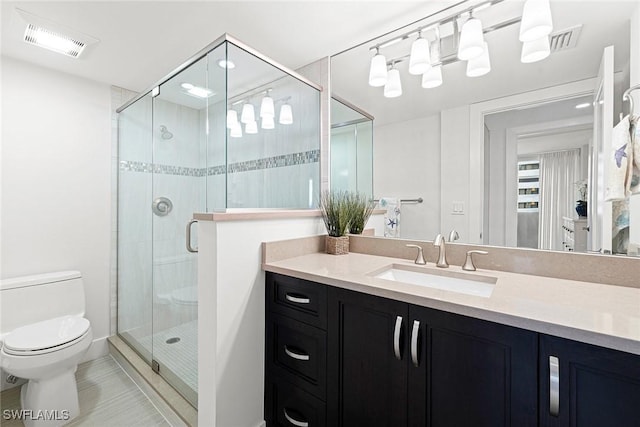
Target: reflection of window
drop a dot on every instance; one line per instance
(528, 185)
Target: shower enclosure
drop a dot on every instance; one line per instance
(229, 129)
(351, 148)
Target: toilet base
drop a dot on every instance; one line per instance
(50, 402)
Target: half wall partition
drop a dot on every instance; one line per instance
(228, 129)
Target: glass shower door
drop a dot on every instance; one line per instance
(179, 190)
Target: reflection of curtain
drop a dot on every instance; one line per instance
(559, 172)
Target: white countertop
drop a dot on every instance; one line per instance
(594, 313)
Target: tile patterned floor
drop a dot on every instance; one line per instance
(108, 398)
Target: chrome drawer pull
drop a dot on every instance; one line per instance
(297, 300)
(396, 338)
(554, 386)
(415, 333)
(293, 421)
(294, 355)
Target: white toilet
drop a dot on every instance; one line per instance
(44, 335)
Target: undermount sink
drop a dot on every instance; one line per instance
(470, 284)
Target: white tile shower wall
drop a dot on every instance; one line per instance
(56, 211)
(417, 175)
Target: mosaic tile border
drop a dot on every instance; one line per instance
(284, 160)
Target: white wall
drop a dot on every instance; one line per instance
(406, 164)
(634, 224)
(56, 187)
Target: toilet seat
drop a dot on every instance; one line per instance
(46, 336)
(187, 295)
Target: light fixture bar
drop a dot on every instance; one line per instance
(450, 18)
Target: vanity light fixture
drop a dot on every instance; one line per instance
(232, 118)
(266, 105)
(378, 70)
(536, 20)
(251, 128)
(419, 60)
(433, 77)
(267, 122)
(472, 43)
(286, 114)
(226, 63)
(248, 113)
(480, 65)
(535, 50)
(393, 88)
(236, 131)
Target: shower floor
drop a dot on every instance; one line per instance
(177, 356)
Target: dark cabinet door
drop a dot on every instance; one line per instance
(469, 372)
(367, 371)
(582, 385)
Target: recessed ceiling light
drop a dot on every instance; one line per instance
(53, 41)
(583, 105)
(226, 63)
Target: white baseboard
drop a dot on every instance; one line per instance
(98, 348)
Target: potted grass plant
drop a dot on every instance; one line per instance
(335, 208)
(360, 209)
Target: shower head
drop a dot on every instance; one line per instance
(165, 134)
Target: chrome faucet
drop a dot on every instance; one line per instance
(419, 258)
(453, 236)
(442, 254)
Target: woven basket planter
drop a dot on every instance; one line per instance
(337, 245)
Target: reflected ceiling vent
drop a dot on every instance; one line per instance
(564, 39)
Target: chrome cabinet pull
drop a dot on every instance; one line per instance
(396, 338)
(554, 386)
(189, 247)
(415, 334)
(292, 354)
(293, 421)
(297, 300)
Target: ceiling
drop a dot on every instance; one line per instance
(141, 42)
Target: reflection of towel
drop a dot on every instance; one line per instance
(635, 142)
(620, 162)
(620, 226)
(391, 216)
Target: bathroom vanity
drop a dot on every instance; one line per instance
(345, 347)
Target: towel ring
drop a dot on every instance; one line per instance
(626, 96)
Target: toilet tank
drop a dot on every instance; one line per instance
(30, 299)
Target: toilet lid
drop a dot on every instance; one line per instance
(46, 334)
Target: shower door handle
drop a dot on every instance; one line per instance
(188, 234)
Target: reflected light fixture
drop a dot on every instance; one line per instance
(232, 118)
(393, 88)
(197, 91)
(471, 40)
(378, 70)
(535, 50)
(236, 131)
(433, 77)
(480, 65)
(248, 113)
(286, 114)
(536, 20)
(419, 60)
(226, 63)
(251, 128)
(266, 106)
(267, 123)
(583, 105)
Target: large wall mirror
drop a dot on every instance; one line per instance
(509, 152)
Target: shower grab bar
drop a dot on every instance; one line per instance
(188, 237)
(418, 200)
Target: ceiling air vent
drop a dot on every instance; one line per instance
(565, 39)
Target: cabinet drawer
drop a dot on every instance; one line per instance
(297, 298)
(297, 352)
(290, 406)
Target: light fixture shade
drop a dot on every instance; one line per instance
(481, 65)
(432, 78)
(266, 107)
(378, 71)
(248, 114)
(232, 118)
(535, 50)
(393, 88)
(536, 20)
(286, 115)
(471, 40)
(236, 131)
(419, 60)
(267, 123)
(251, 128)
